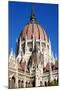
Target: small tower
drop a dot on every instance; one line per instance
(17, 47)
(50, 71)
(20, 48)
(11, 53)
(39, 72)
(49, 47)
(39, 75)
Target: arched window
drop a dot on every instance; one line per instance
(33, 83)
(26, 84)
(9, 84)
(19, 83)
(45, 83)
(22, 85)
(55, 82)
(13, 82)
(40, 83)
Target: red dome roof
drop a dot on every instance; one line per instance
(35, 29)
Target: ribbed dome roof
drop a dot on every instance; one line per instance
(34, 28)
(37, 30)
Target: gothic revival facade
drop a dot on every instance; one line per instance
(33, 64)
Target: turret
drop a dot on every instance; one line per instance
(49, 47)
(39, 75)
(50, 73)
(17, 47)
(20, 48)
(11, 53)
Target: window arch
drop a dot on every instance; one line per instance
(45, 83)
(13, 82)
(19, 83)
(22, 85)
(40, 83)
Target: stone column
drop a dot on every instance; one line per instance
(33, 41)
(40, 46)
(20, 49)
(16, 84)
(9, 83)
(50, 68)
(25, 44)
(25, 82)
(51, 77)
(25, 77)
(49, 47)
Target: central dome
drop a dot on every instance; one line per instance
(33, 27)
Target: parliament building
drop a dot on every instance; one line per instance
(33, 64)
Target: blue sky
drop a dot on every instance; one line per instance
(46, 15)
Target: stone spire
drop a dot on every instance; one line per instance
(17, 51)
(20, 48)
(32, 19)
(50, 72)
(39, 75)
(50, 47)
(55, 57)
(32, 14)
(11, 53)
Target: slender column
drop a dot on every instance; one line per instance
(25, 81)
(51, 77)
(25, 78)
(16, 84)
(33, 41)
(40, 46)
(49, 47)
(20, 49)
(50, 70)
(25, 44)
(9, 83)
(11, 54)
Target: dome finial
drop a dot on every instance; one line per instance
(32, 14)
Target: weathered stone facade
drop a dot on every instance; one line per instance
(33, 64)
